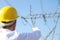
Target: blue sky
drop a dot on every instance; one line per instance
(23, 9)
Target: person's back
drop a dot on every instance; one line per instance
(6, 34)
(8, 17)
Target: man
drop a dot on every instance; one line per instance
(8, 18)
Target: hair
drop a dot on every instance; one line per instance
(8, 25)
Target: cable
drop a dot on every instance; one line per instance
(41, 6)
(7, 2)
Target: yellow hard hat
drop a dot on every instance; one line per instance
(8, 13)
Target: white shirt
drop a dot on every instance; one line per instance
(6, 34)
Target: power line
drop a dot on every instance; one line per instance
(7, 2)
(41, 3)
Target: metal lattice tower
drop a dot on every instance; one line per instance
(55, 15)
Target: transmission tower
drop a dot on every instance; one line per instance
(51, 15)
